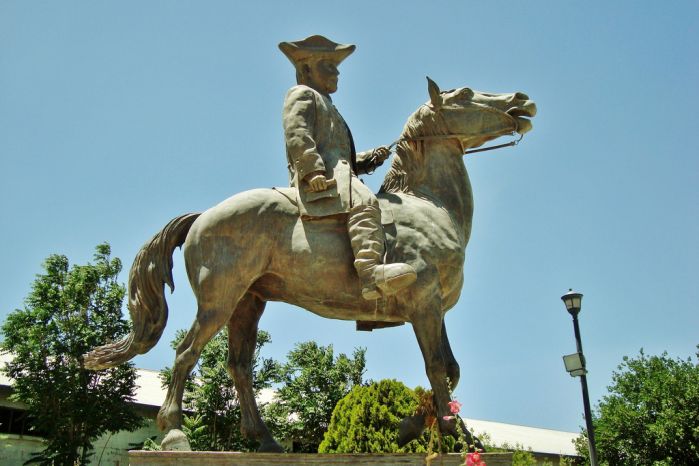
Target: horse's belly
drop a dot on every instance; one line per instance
(315, 270)
(322, 246)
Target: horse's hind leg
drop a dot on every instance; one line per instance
(208, 322)
(242, 338)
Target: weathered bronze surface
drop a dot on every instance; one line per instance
(254, 247)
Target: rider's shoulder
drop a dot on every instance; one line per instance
(301, 91)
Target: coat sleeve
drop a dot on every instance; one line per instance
(299, 123)
(365, 163)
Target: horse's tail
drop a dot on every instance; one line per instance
(150, 271)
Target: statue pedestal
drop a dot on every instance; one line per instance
(214, 458)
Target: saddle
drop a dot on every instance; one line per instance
(388, 223)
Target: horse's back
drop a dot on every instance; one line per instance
(257, 237)
(248, 204)
(235, 239)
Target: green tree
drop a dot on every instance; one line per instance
(313, 381)
(367, 420)
(69, 311)
(211, 397)
(651, 415)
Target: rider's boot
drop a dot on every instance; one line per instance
(367, 239)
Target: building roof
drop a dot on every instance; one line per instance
(150, 393)
(540, 440)
(149, 390)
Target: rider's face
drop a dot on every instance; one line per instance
(322, 75)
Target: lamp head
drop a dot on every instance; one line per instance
(573, 301)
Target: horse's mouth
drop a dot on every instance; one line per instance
(521, 115)
(523, 125)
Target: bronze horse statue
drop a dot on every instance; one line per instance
(253, 248)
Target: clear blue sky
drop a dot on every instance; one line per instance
(117, 116)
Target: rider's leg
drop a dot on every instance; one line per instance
(367, 240)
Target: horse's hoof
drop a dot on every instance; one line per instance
(270, 447)
(410, 428)
(175, 440)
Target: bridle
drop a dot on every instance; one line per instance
(457, 136)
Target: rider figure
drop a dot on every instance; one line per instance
(323, 164)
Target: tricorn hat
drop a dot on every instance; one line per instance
(315, 47)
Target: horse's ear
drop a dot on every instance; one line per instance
(435, 95)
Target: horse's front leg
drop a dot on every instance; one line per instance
(453, 374)
(442, 370)
(453, 371)
(428, 330)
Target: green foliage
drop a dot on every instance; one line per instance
(148, 444)
(69, 311)
(199, 435)
(211, 396)
(522, 457)
(367, 420)
(581, 446)
(313, 381)
(651, 415)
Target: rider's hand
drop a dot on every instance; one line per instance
(380, 154)
(317, 182)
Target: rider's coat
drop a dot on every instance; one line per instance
(319, 140)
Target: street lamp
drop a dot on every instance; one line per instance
(575, 365)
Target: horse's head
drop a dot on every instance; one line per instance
(469, 116)
(452, 122)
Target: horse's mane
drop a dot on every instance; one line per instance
(407, 165)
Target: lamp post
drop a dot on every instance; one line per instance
(575, 365)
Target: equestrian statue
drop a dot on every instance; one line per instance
(326, 244)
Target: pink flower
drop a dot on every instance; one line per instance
(447, 418)
(454, 407)
(474, 459)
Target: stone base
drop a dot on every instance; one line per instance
(213, 458)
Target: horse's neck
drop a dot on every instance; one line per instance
(444, 179)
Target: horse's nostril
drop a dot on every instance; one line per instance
(521, 95)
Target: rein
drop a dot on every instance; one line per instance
(458, 136)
